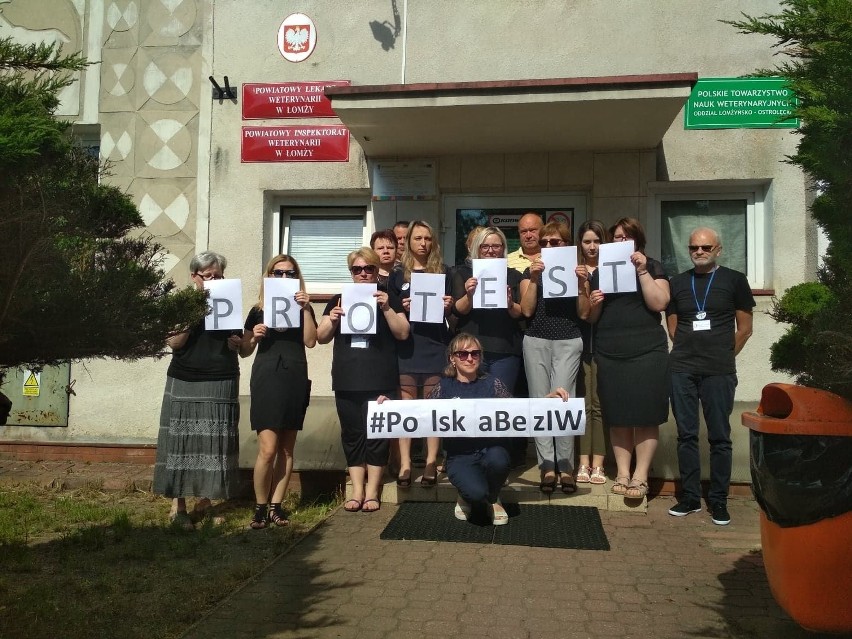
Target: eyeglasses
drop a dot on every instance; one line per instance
(704, 247)
(290, 273)
(543, 243)
(209, 276)
(620, 238)
(491, 248)
(466, 355)
(369, 269)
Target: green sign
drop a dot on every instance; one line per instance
(737, 103)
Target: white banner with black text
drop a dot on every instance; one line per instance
(515, 417)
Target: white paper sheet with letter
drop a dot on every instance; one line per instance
(427, 298)
(491, 283)
(558, 278)
(280, 309)
(226, 305)
(360, 312)
(617, 273)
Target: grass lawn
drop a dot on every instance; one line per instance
(87, 563)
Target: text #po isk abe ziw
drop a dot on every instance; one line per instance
(516, 417)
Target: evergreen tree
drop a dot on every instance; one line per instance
(78, 276)
(816, 38)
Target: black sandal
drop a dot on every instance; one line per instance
(547, 486)
(278, 515)
(568, 485)
(258, 521)
(428, 481)
(404, 482)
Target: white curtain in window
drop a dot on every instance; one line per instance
(321, 245)
(680, 217)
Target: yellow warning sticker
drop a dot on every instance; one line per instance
(32, 384)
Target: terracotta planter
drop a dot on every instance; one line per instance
(809, 567)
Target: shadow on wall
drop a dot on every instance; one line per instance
(385, 32)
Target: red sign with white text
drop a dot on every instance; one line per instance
(295, 143)
(288, 100)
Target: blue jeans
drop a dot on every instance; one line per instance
(716, 394)
(502, 366)
(479, 475)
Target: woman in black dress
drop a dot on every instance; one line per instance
(422, 355)
(364, 367)
(631, 353)
(384, 244)
(279, 393)
(499, 330)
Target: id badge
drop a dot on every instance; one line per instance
(700, 325)
(361, 341)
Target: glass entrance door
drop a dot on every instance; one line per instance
(463, 213)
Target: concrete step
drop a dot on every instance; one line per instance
(522, 488)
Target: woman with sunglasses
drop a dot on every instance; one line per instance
(590, 236)
(499, 330)
(198, 443)
(422, 355)
(384, 244)
(476, 466)
(553, 346)
(631, 353)
(363, 367)
(280, 391)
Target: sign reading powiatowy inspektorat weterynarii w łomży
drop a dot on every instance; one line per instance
(736, 103)
(295, 143)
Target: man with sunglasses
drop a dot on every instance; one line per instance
(709, 319)
(529, 229)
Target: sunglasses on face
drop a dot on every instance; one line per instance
(208, 276)
(466, 355)
(290, 273)
(704, 247)
(369, 269)
(544, 243)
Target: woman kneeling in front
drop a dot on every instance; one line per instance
(476, 466)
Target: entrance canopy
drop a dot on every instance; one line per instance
(603, 113)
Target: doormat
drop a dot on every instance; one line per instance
(541, 526)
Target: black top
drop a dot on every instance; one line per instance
(554, 318)
(627, 327)
(707, 352)
(425, 350)
(370, 368)
(496, 330)
(484, 387)
(205, 357)
(285, 343)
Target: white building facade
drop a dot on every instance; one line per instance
(453, 112)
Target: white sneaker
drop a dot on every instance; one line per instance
(499, 516)
(462, 509)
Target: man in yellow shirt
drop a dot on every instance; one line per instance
(529, 228)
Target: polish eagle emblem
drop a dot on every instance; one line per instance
(296, 38)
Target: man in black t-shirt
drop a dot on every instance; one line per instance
(709, 319)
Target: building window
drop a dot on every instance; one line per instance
(736, 217)
(320, 238)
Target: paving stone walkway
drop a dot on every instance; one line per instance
(664, 577)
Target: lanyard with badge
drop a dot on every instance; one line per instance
(701, 323)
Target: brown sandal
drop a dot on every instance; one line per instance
(620, 485)
(636, 489)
